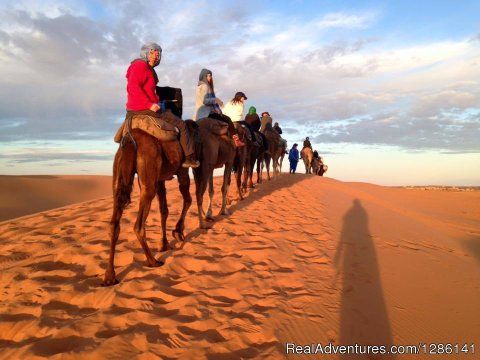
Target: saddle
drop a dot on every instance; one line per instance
(243, 132)
(216, 127)
(153, 126)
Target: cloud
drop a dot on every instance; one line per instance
(342, 20)
(62, 71)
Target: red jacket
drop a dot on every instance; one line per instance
(141, 84)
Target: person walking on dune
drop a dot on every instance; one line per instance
(293, 157)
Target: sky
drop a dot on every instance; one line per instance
(388, 91)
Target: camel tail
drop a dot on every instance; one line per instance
(123, 175)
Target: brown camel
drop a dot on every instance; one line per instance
(154, 162)
(307, 155)
(318, 167)
(213, 151)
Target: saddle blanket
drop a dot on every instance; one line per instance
(215, 126)
(156, 127)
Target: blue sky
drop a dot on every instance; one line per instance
(388, 91)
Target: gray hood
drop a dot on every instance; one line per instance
(203, 76)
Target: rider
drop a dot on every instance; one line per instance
(306, 143)
(208, 105)
(234, 110)
(143, 100)
(253, 122)
(278, 128)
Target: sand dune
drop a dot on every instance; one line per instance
(25, 195)
(302, 260)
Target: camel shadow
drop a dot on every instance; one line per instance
(264, 189)
(364, 317)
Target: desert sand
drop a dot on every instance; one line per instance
(303, 259)
(25, 195)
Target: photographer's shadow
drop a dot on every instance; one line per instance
(364, 317)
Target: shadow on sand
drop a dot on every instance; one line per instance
(364, 317)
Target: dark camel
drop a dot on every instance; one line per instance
(154, 162)
(256, 156)
(273, 138)
(213, 151)
(242, 159)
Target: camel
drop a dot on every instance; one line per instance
(242, 159)
(273, 138)
(307, 155)
(155, 162)
(320, 167)
(256, 155)
(213, 151)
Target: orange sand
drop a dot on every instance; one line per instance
(25, 195)
(303, 259)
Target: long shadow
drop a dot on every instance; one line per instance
(472, 245)
(364, 317)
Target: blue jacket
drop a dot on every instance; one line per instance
(293, 155)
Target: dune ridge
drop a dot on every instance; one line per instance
(302, 259)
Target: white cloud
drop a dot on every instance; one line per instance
(342, 20)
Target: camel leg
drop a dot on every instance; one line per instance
(109, 278)
(147, 193)
(259, 169)
(238, 178)
(122, 188)
(275, 166)
(201, 180)
(267, 165)
(184, 186)
(251, 166)
(162, 202)
(225, 187)
(246, 174)
(211, 192)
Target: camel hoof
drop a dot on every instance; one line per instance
(178, 235)
(166, 248)
(205, 226)
(209, 219)
(225, 212)
(154, 264)
(110, 279)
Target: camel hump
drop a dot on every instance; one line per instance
(214, 126)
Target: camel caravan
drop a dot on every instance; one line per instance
(156, 144)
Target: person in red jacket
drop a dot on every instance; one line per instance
(143, 100)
